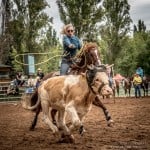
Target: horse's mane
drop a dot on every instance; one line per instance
(86, 48)
(89, 46)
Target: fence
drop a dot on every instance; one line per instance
(12, 97)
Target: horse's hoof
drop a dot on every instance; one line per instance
(66, 139)
(81, 130)
(31, 128)
(110, 123)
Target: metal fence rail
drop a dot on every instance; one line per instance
(3, 92)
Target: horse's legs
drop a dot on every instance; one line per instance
(98, 103)
(125, 91)
(146, 88)
(34, 122)
(117, 87)
(143, 87)
(129, 91)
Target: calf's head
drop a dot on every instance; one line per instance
(98, 80)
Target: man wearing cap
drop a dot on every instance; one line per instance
(137, 80)
(40, 74)
(39, 77)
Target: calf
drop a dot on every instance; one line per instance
(73, 94)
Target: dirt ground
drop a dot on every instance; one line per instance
(131, 130)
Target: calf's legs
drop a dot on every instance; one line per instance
(45, 108)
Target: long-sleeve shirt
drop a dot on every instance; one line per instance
(137, 80)
(67, 40)
(140, 72)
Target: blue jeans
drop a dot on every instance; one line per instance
(110, 81)
(137, 90)
(65, 65)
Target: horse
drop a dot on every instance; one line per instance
(89, 55)
(117, 84)
(127, 84)
(145, 85)
(117, 80)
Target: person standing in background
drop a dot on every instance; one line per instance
(137, 80)
(40, 74)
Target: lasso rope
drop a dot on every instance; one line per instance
(65, 54)
(36, 54)
(82, 52)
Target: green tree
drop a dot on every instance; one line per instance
(84, 15)
(142, 58)
(141, 27)
(5, 36)
(27, 28)
(116, 27)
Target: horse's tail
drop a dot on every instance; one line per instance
(34, 98)
(37, 104)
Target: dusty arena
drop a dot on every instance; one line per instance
(131, 130)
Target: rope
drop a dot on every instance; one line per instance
(82, 52)
(65, 54)
(36, 54)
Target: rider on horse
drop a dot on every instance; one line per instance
(71, 44)
(140, 71)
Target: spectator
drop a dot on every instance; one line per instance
(71, 44)
(40, 74)
(39, 77)
(139, 71)
(38, 81)
(19, 81)
(31, 81)
(110, 74)
(137, 80)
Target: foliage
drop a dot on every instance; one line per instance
(5, 37)
(135, 53)
(116, 28)
(30, 29)
(84, 15)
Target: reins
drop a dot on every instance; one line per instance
(82, 53)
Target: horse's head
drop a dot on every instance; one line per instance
(91, 54)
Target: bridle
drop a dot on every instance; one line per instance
(90, 79)
(86, 54)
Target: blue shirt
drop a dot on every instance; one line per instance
(67, 40)
(140, 72)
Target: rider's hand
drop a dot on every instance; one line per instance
(71, 46)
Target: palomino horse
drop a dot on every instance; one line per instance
(87, 56)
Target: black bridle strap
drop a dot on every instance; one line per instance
(100, 87)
